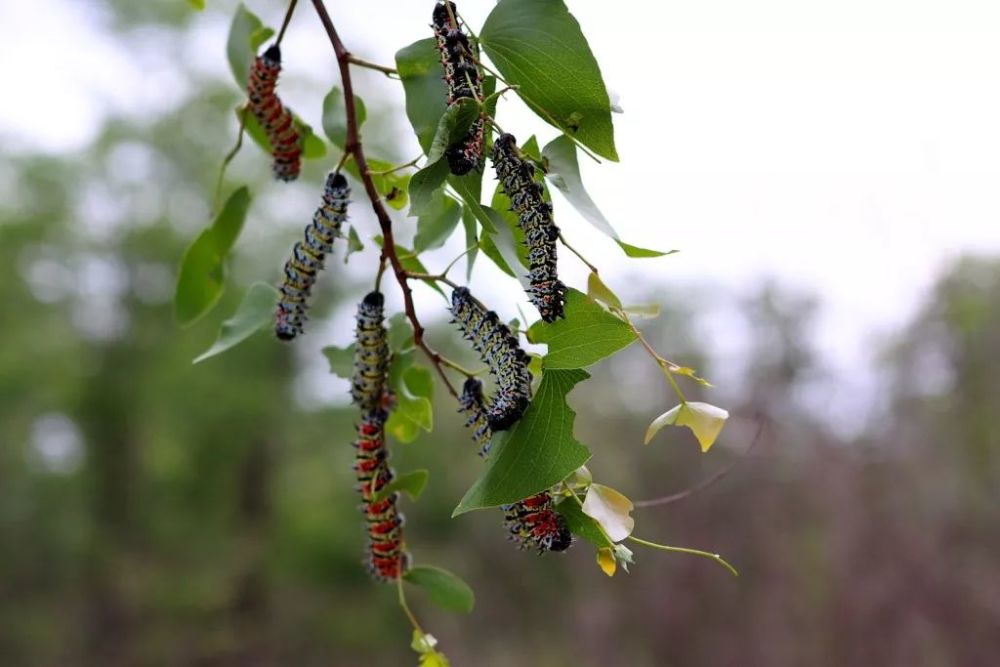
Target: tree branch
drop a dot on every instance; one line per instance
(353, 146)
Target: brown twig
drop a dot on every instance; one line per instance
(704, 484)
(354, 147)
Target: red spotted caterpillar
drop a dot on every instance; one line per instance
(273, 116)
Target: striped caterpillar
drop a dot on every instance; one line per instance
(546, 292)
(308, 255)
(500, 350)
(387, 559)
(274, 117)
(371, 353)
(464, 82)
(531, 522)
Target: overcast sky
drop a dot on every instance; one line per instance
(848, 147)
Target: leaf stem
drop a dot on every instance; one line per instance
(577, 253)
(367, 64)
(406, 608)
(284, 24)
(384, 172)
(427, 277)
(684, 550)
(229, 157)
(664, 364)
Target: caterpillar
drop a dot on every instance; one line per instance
(464, 82)
(371, 353)
(516, 176)
(534, 524)
(472, 403)
(386, 558)
(308, 255)
(274, 117)
(500, 350)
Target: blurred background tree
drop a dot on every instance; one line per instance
(155, 512)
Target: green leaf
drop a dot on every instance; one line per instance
(341, 360)
(391, 186)
(411, 483)
(501, 204)
(538, 46)
(443, 588)
(197, 4)
(640, 253)
(437, 224)
(537, 453)
(611, 509)
(588, 334)
(400, 333)
(335, 117)
(704, 420)
(354, 243)
(501, 241)
(471, 239)
(312, 146)
(419, 68)
(414, 389)
(453, 125)
(201, 279)
(582, 525)
(255, 312)
(228, 224)
(597, 290)
(425, 187)
(563, 171)
(246, 34)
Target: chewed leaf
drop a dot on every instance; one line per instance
(704, 420)
(611, 509)
(537, 453)
(444, 589)
(341, 360)
(255, 312)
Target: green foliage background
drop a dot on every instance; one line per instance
(210, 517)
